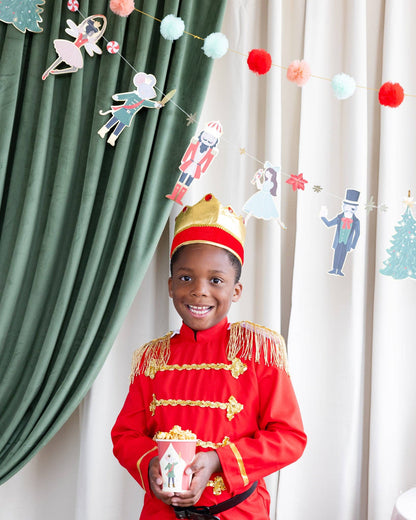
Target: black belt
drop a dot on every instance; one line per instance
(209, 512)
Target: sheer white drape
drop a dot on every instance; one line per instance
(351, 340)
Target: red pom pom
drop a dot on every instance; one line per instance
(259, 61)
(391, 94)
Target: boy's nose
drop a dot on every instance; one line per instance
(199, 288)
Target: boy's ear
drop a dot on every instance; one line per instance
(238, 289)
(170, 286)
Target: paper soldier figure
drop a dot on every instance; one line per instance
(262, 204)
(122, 115)
(347, 230)
(170, 471)
(86, 34)
(196, 159)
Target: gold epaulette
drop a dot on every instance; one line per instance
(249, 339)
(151, 356)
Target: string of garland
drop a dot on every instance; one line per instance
(260, 62)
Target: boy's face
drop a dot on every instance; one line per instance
(202, 285)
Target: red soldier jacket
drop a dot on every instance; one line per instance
(189, 157)
(230, 386)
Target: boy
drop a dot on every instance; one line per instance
(227, 383)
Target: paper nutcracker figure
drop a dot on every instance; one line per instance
(198, 156)
(347, 230)
(86, 34)
(263, 203)
(122, 115)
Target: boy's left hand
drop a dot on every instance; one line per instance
(203, 466)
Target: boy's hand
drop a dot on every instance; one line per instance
(156, 482)
(203, 466)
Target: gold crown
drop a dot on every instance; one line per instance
(208, 221)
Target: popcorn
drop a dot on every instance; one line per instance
(176, 433)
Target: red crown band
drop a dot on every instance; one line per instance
(210, 235)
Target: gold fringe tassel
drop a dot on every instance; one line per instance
(149, 358)
(248, 339)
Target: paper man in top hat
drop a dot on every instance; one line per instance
(347, 230)
(196, 159)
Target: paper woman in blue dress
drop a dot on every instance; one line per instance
(122, 115)
(262, 204)
(347, 230)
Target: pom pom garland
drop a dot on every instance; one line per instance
(122, 7)
(215, 45)
(391, 94)
(172, 27)
(343, 85)
(259, 61)
(299, 72)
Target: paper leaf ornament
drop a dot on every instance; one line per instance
(23, 14)
(347, 230)
(86, 34)
(297, 181)
(134, 100)
(401, 262)
(262, 204)
(199, 154)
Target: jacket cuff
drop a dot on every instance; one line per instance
(143, 466)
(233, 466)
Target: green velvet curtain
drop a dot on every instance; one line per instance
(80, 219)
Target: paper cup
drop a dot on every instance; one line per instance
(174, 457)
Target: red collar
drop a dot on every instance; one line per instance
(204, 335)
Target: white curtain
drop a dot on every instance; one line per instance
(351, 339)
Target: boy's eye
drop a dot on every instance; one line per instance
(184, 278)
(216, 281)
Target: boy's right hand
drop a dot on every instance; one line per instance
(156, 482)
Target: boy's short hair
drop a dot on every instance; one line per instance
(236, 264)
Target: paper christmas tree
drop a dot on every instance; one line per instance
(23, 14)
(402, 253)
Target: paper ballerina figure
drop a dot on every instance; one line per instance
(347, 230)
(198, 156)
(263, 203)
(122, 115)
(86, 34)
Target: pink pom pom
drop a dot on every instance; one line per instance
(391, 94)
(299, 72)
(122, 7)
(259, 61)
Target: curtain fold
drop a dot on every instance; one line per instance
(80, 219)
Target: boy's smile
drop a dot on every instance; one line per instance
(202, 285)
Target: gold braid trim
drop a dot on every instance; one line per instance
(248, 339)
(236, 368)
(151, 357)
(232, 406)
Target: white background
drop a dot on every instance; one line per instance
(351, 340)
